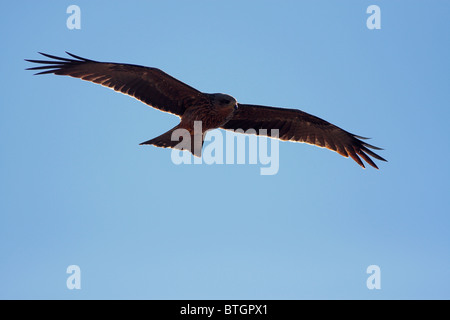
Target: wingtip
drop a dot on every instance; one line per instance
(44, 54)
(78, 57)
(67, 52)
(360, 137)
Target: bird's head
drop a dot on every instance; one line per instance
(224, 101)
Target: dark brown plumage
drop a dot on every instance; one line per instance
(161, 91)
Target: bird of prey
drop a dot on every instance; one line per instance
(161, 91)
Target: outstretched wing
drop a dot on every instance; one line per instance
(149, 85)
(298, 126)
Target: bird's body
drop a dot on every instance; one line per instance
(161, 91)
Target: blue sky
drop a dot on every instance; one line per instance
(77, 189)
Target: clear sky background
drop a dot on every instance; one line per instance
(77, 189)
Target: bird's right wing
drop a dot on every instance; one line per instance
(298, 126)
(149, 85)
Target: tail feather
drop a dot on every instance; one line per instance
(176, 140)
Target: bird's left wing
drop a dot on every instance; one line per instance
(298, 126)
(149, 85)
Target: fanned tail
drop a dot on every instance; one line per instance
(175, 140)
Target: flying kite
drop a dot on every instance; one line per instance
(161, 91)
